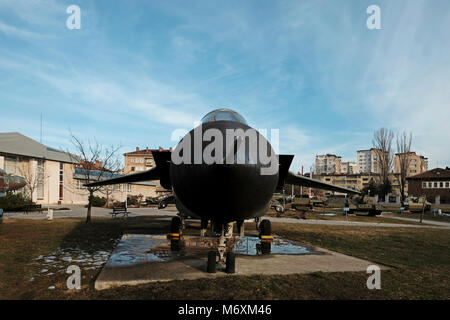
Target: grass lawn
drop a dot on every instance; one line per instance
(419, 261)
(319, 214)
(426, 216)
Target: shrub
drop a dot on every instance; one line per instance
(12, 202)
(98, 202)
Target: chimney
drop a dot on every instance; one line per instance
(170, 149)
(146, 149)
(137, 148)
(160, 148)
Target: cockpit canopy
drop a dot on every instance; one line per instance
(223, 115)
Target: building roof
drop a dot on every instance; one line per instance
(146, 151)
(437, 173)
(16, 144)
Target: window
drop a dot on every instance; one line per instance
(11, 165)
(424, 184)
(447, 184)
(61, 180)
(40, 180)
(441, 185)
(435, 185)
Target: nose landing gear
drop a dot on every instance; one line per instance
(224, 258)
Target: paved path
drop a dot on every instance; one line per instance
(436, 223)
(354, 223)
(80, 211)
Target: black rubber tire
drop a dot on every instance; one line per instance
(265, 228)
(266, 247)
(211, 265)
(175, 226)
(175, 245)
(204, 224)
(231, 263)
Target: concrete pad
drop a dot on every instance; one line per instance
(147, 258)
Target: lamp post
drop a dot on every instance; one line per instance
(126, 197)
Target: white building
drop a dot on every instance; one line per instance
(54, 175)
(367, 161)
(349, 167)
(328, 164)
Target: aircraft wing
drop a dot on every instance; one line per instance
(292, 178)
(160, 172)
(152, 174)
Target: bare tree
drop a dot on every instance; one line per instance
(95, 164)
(382, 143)
(404, 159)
(30, 177)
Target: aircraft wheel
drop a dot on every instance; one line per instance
(372, 213)
(175, 245)
(265, 228)
(265, 247)
(279, 209)
(211, 266)
(231, 263)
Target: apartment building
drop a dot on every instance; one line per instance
(358, 181)
(367, 161)
(349, 167)
(328, 164)
(418, 164)
(140, 160)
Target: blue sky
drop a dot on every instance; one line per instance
(137, 70)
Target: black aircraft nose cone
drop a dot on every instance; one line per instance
(226, 192)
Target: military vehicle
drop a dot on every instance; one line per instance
(417, 204)
(364, 203)
(279, 202)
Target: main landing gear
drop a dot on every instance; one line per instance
(176, 234)
(223, 233)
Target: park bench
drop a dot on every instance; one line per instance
(32, 207)
(119, 210)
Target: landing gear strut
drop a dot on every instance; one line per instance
(224, 258)
(265, 234)
(176, 234)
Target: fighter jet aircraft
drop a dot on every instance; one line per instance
(221, 172)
